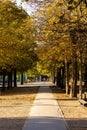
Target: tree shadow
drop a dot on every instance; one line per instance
(43, 123)
(20, 91)
(55, 123)
(57, 90)
(76, 123)
(12, 123)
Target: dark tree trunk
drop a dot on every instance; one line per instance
(85, 75)
(58, 79)
(15, 79)
(67, 76)
(80, 76)
(62, 77)
(22, 79)
(53, 75)
(3, 85)
(10, 79)
(73, 89)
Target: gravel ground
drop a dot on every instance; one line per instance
(74, 113)
(15, 105)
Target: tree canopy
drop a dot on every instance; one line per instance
(17, 39)
(63, 36)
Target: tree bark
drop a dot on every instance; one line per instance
(80, 76)
(58, 79)
(10, 79)
(67, 76)
(53, 75)
(73, 88)
(15, 79)
(62, 77)
(85, 75)
(22, 79)
(3, 85)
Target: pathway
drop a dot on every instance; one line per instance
(45, 113)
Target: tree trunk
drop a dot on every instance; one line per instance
(62, 77)
(73, 89)
(67, 76)
(58, 79)
(9, 79)
(15, 79)
(3, 85)
(53, 75)
(85, 75)
(22, 79)
(80, 76)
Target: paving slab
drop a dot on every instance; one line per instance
(45, 112)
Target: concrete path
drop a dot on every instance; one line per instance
(45, 113)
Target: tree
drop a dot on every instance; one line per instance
(52, 30)
(61, 31)
(17, 46)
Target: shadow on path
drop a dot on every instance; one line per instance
(44, 123)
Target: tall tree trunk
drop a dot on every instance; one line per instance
(73, 89)
(53, 75)
(9, 79)
(85, 74)
(67, 76)
(80, 76)
(62, 77)
(58, 79)
(22, 79)
(3, 85)
(15, 79)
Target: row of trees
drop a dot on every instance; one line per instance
(59, 28)
(17, 42)
(62, 34)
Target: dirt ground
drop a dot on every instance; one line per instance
(15, 105)
(74, 113)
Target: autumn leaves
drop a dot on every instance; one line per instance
(16, 38)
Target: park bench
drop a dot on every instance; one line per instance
(83, 102)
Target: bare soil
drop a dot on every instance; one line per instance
(74, 113)
(15, 105)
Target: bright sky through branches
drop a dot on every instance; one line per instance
(28, 7)
(18, 2)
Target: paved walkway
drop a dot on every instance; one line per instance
(45, 113)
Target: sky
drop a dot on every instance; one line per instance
(18, 2)
(29, 7)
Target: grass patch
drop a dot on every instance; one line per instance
(26, 93)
